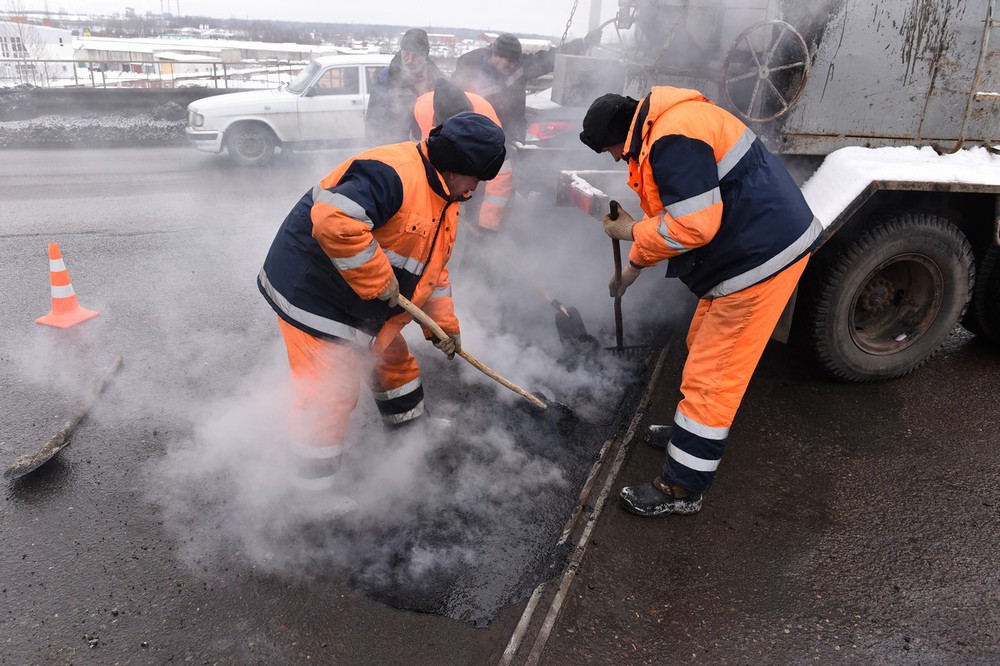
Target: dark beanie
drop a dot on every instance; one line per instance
(507, 46)
(415, 41)
(469, 144)
(607, 121)
(449, 100)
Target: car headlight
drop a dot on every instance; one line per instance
(195, 119)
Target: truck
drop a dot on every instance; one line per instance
(888, 115)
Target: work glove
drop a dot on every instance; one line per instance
(593, 38)
(391, 293)
(449, 346)
(620, 228)
(629, 275)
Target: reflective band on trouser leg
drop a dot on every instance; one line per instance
(725, 347)
(326, 380)
(398, 391)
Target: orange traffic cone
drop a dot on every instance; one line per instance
(65, 310)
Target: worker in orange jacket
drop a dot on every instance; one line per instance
(733, 226)
(446, 100)
(381, 224)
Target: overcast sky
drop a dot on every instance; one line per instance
(547, 17)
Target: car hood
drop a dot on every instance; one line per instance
(241, 102)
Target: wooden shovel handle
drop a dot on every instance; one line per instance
(425, 319)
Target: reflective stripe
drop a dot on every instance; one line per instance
(495, 200)
(64, 291)
(692, 426)
(358, 260)
(736, 153)
(771, 266)
(320, 483)
(406, 263)
(441, 292)
(313, 321)
(396, 419)
(315, 452)
(350, 207)
(408, 387)
(56, 265)
(690, 461)
(695, 203)
(665, 235)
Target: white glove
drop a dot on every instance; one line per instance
(629, 275)
(449, 346)
(620, 228)
(391, 293)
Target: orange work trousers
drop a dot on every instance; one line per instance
(725, 341)
(326, 380)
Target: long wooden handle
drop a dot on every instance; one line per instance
(425, 319)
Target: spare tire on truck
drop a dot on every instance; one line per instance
(888, 299)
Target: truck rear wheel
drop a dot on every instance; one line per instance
(891, 297)
(250, 144)
(983, 317)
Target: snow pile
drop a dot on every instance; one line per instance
(113, 129)
(845, 173)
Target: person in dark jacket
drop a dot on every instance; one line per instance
(394, 89)
(728, 219)
(500, 73)
(380, 225)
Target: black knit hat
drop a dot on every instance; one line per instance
(469, 144)
(415, 41)
(508, 47)
(607, 121)
(449, 100)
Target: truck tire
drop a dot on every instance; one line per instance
(983, 317)
(251, 144)
(889, 299)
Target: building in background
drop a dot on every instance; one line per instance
(24, 48)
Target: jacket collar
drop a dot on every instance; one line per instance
(433, 177)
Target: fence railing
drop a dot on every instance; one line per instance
(146, 73)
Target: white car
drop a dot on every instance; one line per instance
(324, 105)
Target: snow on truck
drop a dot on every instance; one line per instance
(890, 113)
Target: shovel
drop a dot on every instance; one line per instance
(425, 319)
(572, 333)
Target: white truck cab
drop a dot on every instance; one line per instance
(324, 105)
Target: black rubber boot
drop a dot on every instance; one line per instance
(658, 436)
(656, 498)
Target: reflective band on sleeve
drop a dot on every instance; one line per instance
(391, 394)
(350, 207)
(690, 461)
(736, 153)
(64, 291)
(406, 263)
(56, 265)
(315, 452)
(695, 203)
(665, 235)
(771, 266)
(360, 259)
(692, 426)
(396, 419)
(441, 292)
(313, 321)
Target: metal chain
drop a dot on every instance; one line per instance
(569, 22)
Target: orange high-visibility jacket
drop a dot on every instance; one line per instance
(500, 190)
(383, 212)
(719, 206)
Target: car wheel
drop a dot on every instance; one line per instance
(889, 299)
(251, 144)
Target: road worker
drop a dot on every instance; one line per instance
(733, 226)
(381, 224)
(445, 101)
(396, 87)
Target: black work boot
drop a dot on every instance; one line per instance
(657, 498)
(658, 436)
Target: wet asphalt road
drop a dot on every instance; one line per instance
(849, 524)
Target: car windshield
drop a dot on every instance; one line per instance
(303, 78)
